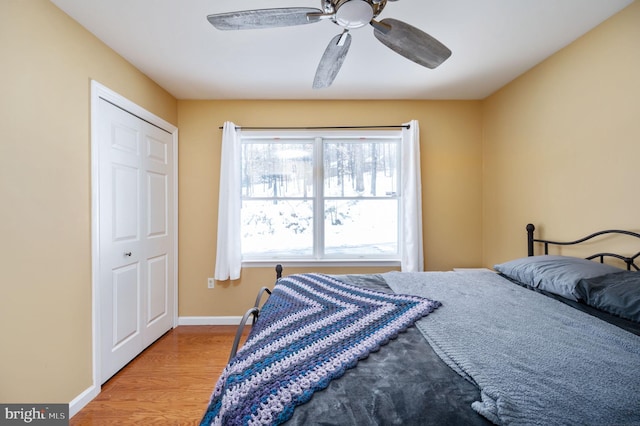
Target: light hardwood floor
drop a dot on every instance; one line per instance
(168, 384)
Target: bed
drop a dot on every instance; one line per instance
(546, 339)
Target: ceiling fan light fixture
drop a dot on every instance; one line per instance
(404, 39)
(354, 14)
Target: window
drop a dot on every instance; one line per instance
(312, 196)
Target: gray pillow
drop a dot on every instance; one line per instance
(555, 274)
(617, 293)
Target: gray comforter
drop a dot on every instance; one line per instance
(404, 383)
(535, 360)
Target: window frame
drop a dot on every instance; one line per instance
(317, 137)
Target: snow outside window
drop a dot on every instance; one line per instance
(320, 196)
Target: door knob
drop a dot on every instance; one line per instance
(127, 253)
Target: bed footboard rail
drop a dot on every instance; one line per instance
(253, 312)
(236, 341)
(630, 261)
(262, 291)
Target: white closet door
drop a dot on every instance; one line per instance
(136, 240)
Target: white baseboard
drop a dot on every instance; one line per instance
(209, 320)
(83, 399)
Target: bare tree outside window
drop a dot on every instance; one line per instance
(351, 183)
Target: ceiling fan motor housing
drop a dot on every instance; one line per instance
(352, 14)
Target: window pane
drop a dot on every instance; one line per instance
(361, 227)
(277, 169)
(360, 168)
(277, 228)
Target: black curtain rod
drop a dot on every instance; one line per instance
(402, 126)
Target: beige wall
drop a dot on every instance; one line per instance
(561, 143)
(45, 195)
(450, 134)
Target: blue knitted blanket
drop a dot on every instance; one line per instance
(311, 330)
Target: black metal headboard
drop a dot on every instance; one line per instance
(629, 261)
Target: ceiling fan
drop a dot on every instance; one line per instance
(398, 36)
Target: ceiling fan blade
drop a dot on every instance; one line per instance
(412, 43)
(332, 60)
(264, 18)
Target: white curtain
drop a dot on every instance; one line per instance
(412, 252)
(229, 254)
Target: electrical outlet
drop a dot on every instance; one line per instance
(210, 283)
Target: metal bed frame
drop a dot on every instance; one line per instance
(252, 312)
(630, 261)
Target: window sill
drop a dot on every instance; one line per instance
(307, 263)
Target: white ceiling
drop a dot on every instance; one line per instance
(493, 41)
